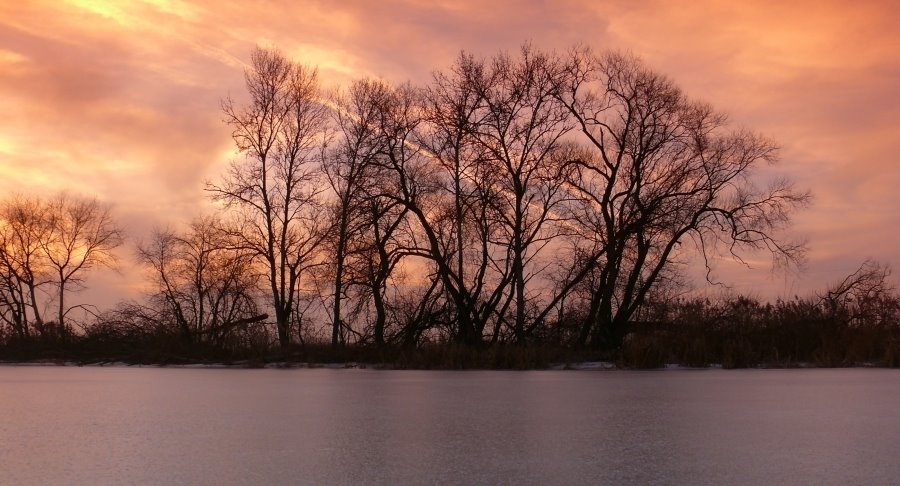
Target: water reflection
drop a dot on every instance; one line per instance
(197, 426)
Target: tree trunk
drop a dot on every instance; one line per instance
(466, 331)
(39, 322)
(282, 323)
(336, 322)
(380, 315)
(336, 316)
(518, 267)
(590, 321)
(62, 304)
(519, 276)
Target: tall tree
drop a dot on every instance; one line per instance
(658, 170)
(453, 109)
(522, 128)
(348, 168)
(415, 185)
(276, 186)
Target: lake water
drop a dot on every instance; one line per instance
(67, 425)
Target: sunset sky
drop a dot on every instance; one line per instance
(121, 99)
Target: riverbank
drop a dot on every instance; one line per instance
(652, 351)
(254, 364)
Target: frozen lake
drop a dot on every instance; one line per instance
(68, 425)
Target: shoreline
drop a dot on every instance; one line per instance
(581, 366)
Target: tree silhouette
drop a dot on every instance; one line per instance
(82, 235)
(25, 226)
(658, 170)
(202, 284)
(275, 189)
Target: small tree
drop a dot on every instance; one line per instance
(23, 225)
(82, 235)
(207, 288)
(860, 293)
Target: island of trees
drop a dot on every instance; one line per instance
(516, 210)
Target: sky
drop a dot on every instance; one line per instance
(121, 99)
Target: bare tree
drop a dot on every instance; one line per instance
(521, 129)
(13, 296)
(453, 109)
(510, 184)
(348, 168)
(658, 170)
(494, 127)
(276, 186)
(82, 235)
(415, 185)
(161, 255)
(203, 285)
(388, 235)
(860, 293)
(24, 225)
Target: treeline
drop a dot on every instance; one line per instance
(854, 322)
(530, 201)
